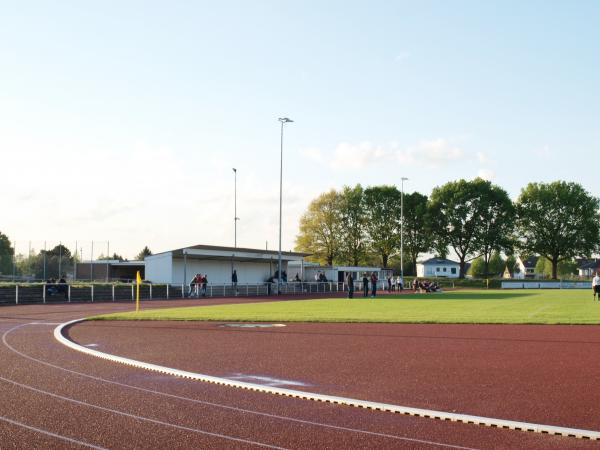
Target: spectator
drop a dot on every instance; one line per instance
(365, 282)
(62, 287)
(350, 281)
(234, 281)
(596, 286)
(374, 284)
(204, 284)
(400, 283)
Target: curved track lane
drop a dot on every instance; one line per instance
(53, 397)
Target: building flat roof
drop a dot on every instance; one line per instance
(230, 253)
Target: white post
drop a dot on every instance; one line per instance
(182, 291)
(113, 292)
(69, 292)
(44, 293)
(167, 291)
(92, 293)
(16, 294)
(150, 292)
(132, 296)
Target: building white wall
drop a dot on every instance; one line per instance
(159, 268)
(219, 271)
(437, 270)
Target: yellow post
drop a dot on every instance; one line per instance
(137, 298)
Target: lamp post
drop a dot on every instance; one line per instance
(403, 179)
(235, 217)
(283, 121)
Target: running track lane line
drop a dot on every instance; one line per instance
(48, 433)
(427, 413)
(141, 418)
(218, 405)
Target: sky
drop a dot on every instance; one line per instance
(121, 121)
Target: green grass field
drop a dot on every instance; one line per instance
(468, 306)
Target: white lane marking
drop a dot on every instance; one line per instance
(49, 433)
(227, 407)
(428, 413)
(125, 414)
(91, 345)
(136, 417)
(266, 381)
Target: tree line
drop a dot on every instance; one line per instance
(474, 219)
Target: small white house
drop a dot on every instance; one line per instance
(252, 266)
(588, 268)
(438, 268)
(526, 268)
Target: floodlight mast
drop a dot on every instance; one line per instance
(283, 121)
(403, 179)
(235, 217)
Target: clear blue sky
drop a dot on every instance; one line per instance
(121, 121)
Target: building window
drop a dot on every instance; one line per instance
(437, 269)
(444, 269)
(453, 270)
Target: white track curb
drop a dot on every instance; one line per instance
(440, 415)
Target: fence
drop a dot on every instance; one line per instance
(547, 285)
(31, 293)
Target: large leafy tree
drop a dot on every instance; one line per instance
(320, 228)
(558, 221)
(382, 209)
(471, 217)
(497, 221)
(352, 216)
(6, 255)
(417, 238)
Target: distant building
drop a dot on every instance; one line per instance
(108, 270)
(588, 267)
(526, 268)
(438, 268)
(252, 266)
(309, 272)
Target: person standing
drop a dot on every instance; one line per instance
(204, 284)
(389, 283)
(596, 286)
(400, 283)
(365, 282)
(350, 286)
(373, 284)
(234, 281)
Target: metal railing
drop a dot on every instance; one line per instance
(32, 293)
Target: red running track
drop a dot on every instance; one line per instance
(54, 397)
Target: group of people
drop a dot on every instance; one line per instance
(395, 283)
(425, 286)
(320, 277)
(59, 287)
(366, 282)
(198, 285)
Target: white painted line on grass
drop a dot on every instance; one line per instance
(376, 406)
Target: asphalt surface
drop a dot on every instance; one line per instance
(54, 397)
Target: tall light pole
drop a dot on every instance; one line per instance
(235, 217)
(403, 179)
(283, 120)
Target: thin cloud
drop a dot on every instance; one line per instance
(356, 156)
(486, 174)
(432, 153)
(312, 154)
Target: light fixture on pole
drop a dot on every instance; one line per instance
(403, 179)
(235, 217)
(283, 120)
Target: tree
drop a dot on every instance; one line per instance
(497, 221)
(352, 239)
(558, 221)
(565, 268)
(320, 228)
(116, 257)
(472, 217)
(417, 237)
(382, 210)
(7, 253)
(141, 255)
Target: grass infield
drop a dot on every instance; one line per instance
(464, 306)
